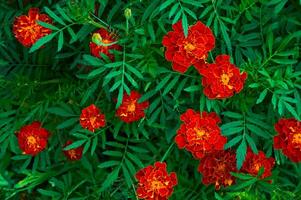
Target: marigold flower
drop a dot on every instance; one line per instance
(184, 52)
(289, 138)
(130, 110)
(216, 167)
(102, 42)
(27, 30)
(155, 183)
(200, 133)
(73, 154)
(91, 118)
(33, 138)
(221, 79)
(254, 162)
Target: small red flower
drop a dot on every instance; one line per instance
(102, 42)
(73, 154)
(221, 79)
(254, 162)
(289, 138)
(216, 167)
(33, 138)
(200, 134)
(184, 52)
(27, 30)
(154, 182)
(130, 110)
(91, 118)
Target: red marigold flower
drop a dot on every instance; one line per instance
(27, 30)
(155, 183)
(130, 110)
(33, 138)
(91, 118)
(254, 162)
(73, 154)
(102, 42)
(216, 167)
(221, 79)
(184, 52)
(200, 133)
(289, 138)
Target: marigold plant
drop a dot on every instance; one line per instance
(158, 99)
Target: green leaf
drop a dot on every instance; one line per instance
(262, 96)
(107, 164)
(226, 36)
(165, 4)
(111, 178)
(54, 16)
(41, 42)
(60, 41)
(46, 25)
(192, 88)
(185, 24)
(67, 123)
(233, 142)
(75, 145)
(241, 154)
(60, 112)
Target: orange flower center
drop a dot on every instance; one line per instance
(32, 142)
(189, 47)
(228, 181)
(221, 167)
(257, 166)
(92, 120)
(131, 107)
(225, 79)
(200, 132)
(156, 185)
(72, 153)
(297, 138)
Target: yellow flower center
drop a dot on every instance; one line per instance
(32, 142)
(200, 132)
(297, 138)
(157, 185)
(228, 181)
(189, 47)
(92, 120)
(131, 107)
(225, 79)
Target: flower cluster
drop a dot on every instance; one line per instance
(221, 79)
(33, 138)
(155, 183)
(102, 42)
(184, 52)
(200, 133)
(216, 168)
(27, 30)
(130, 110)
(253, 163)
(289, 138)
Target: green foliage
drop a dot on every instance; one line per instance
(57, 77)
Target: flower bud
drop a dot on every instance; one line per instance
(127, 13)
(96, 38)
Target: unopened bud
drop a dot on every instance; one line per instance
(127, 13)
(96, 38)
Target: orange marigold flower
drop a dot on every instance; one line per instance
(216, 167)
(184, 52)
(91, 118)
(102, 42)
(221, 79)
(254, 162)
(73, 154)
(154, 182)
(289, 138)
(33, 138)
(200, 133)
(27, 30)
(130, 110)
